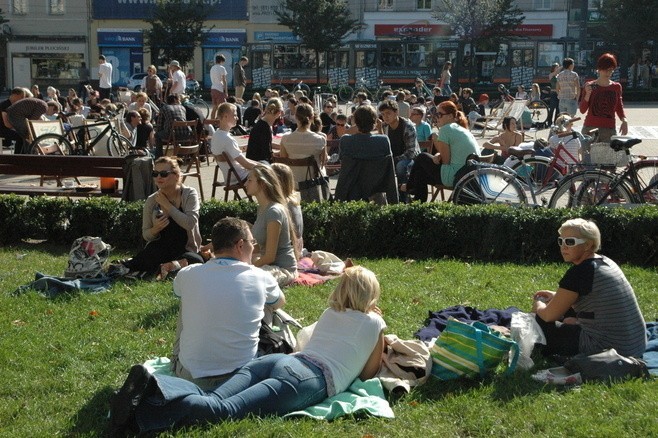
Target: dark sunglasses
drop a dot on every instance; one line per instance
(162, 173)
(340, 124)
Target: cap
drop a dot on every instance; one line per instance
(483, 97)
(174, 64)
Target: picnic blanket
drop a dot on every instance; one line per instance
(651, 354)
(310, 274)
(361, 397)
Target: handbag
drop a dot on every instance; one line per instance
(470, 350)
(314, 188)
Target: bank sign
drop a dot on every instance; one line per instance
(141, 9)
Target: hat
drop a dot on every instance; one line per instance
(174, 64)
(483, 97)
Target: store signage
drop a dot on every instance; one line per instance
(277, 37)
(141, 9)
(224, 39)
(121, 38)
(410, 30)
(543, 30)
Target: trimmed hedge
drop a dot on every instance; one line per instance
(358, 229)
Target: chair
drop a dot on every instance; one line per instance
(509, 109)
(333, 147)
(229, 185)
(206, 138)
(185, 143)
(51, 149)
(436, 189)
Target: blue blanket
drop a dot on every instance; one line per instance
(53, 286)
(436, 321)
(651, 355)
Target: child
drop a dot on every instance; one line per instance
(347, 343)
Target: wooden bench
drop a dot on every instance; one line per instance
(63, 166)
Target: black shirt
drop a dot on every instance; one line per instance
(259, 147)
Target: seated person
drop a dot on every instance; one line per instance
(503, 141)
(141, 101)
(478, 114)
(170, 221)
(367, 161)
(259, 146)
(270, 385)
(289, 118)
(594, 308)
(339, 129)
(223, 141)
(222, 304)
(564, 133)
(423, 129)
(325, 117)
(521, 94)
(303, 143)
(466, 101)
(273, 229)
(287, 181)
(455, 144)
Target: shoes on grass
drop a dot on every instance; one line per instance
(124, 401)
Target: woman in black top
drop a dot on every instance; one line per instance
(259, 147)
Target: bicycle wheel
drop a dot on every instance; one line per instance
(647, 175)
(201, 106)
(305, 88)
(538, 171)
(47, 144)
(539, 113)
(488, 186)
(591, 187)
(345, 93)
(118, 145)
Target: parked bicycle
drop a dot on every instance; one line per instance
(194, 98)
(83, 140)
(636, 183)
(362, 86)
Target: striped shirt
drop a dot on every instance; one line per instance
(606, 308)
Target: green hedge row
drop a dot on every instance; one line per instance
(358, 229)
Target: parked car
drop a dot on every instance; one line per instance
(135, 81)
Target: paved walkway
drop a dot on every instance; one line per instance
(643, 118)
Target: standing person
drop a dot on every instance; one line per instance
(223, 302)
(25, 109)
(178, 82)
(6, 132)
(594, 307)
(240, 77)
(348, 342)
(404, 142)
(602, 100)
(219, 87)
(170, 220)
(104, 78)
(83, 77)
(568, 88)
(553, 101)
(223, 141)
(259, 146)
(444, 82)
(152, 85)
(454, 143)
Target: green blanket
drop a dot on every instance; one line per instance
(360, 397)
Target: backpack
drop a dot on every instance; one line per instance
(87, 257)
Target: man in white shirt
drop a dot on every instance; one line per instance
(223, 302)
(222, 141)
(104, 78)
(219, 88)
(178, 82)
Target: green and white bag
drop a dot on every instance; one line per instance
(470, 350)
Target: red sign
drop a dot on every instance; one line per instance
(543, 30)
(410, 29)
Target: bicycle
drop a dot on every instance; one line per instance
(362, 86)
(117, 145)
(637, 183)
(343, 93)
(194, 98)
(489, 184)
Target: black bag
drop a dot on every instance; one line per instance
(607, 365)
(280, 340)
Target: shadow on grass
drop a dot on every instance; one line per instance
(157, 319)
(91, 419)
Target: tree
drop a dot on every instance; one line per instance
(483, 23)
(321, 24)
(176, 29)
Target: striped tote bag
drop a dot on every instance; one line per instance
(470, 350)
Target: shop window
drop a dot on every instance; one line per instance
(262, 59)
(338, 59)
(385, 5)
(55, 7)
(307, 58)
(543, 5)
(286, 56)
(549, 53)
(424, 5)
(418, 54)
(19, 7)
(365, 59)
(392, 55)
(57, 66)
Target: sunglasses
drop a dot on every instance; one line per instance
(340, 124)
(162, 173)
(570, 241)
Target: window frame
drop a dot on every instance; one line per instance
(386, 5)
(427, 5)
(19, 7)
(56, 7)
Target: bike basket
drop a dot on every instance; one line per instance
(603, 154)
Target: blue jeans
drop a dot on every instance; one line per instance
(270, 385)
(402, 169)
(446, 90)
(569, 106)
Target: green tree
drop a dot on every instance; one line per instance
(483, 23)
(176, 29)
(321, 24)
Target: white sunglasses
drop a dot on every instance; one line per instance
(570, 241)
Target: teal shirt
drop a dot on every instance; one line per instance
(423, 131)
(462, 144)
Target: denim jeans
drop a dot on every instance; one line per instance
(446, 90)
(270, 385)
(569, 106)
(402, 169)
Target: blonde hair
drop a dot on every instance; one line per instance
(358, 289)
(588, 230)
(274, 106)
(286, 179)
(304, 114)
(174, 163)
(225, 108)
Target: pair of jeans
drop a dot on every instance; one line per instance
(569, 106)
(402, 169)
(270, 385)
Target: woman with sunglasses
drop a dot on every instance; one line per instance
(170, 221)
(454, 144)
(594, 307)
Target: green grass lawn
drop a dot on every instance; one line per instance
(61, 358)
